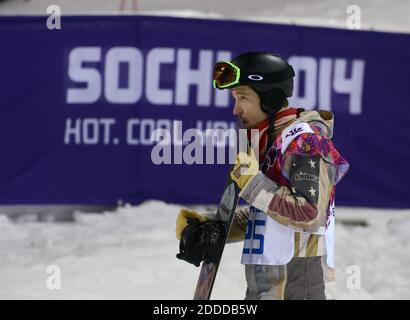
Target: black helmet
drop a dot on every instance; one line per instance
(268, 74)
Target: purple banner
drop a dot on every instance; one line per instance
(78, 105)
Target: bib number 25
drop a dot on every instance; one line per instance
(254, 237)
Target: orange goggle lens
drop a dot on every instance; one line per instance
(225, 74)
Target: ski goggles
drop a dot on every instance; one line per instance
(225, 75)
(228, 75)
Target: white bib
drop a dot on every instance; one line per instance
(330, 237)
(266, 241)
(269, 243)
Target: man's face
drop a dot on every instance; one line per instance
(247, 107)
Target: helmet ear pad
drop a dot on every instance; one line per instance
(271, 101)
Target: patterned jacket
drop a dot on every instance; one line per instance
(296, 184)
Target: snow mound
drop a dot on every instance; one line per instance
(130, 253)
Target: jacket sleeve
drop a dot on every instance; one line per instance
(238, 227)
(302, 206)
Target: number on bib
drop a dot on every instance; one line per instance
(251, 233)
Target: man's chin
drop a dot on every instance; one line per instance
(244, 125)
(247, 125)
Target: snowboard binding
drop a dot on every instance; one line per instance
(201, 241)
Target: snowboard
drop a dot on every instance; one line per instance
(225, 213)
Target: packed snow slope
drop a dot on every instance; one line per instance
(129, 253)
(381, 15)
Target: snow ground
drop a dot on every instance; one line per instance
(382, 15)
(129, 253)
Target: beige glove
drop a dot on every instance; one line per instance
(182, 220)
(246, 167)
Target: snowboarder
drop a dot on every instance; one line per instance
(288, 228)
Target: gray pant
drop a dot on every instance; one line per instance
(305, 278)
